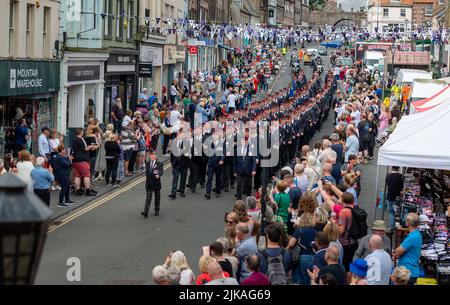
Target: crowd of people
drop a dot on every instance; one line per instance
(315, 232)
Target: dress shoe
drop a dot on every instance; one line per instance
(143, 214)
(208, 196)
(173, 196)
(182, 195)
(217, 195)
(188, 185)
(156, 213)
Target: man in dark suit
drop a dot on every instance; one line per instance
(154, 171)
(215, 165)
(180, 159)
(244, 169)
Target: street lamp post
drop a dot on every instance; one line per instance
(393, 49)
(24, 220)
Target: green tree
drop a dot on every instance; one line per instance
(317, 5)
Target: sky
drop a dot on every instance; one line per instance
(347, 4)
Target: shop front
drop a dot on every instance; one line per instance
(120, 81)
(82, 96)
(28, 90)
(151, 55)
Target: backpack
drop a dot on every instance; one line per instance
(275, 268)
(358, 229)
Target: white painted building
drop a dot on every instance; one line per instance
(388, 14)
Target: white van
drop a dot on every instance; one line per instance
(425, 88)
(372, 59)
(407, 76)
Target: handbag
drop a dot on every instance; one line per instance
(167, 131)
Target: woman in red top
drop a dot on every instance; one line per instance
(203, 263)
(255, 83)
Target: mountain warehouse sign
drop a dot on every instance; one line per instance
(28, 77)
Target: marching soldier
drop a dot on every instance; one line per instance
(215, 165)
(180, 159)
(154, 170)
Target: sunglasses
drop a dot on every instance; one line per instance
(229, 222)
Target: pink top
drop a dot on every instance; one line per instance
(384, 120)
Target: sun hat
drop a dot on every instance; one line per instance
(379, 225)
(359, 268)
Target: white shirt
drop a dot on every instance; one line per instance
(380, 265)
(54, 143)
(356, 115)
(187, 277)
(175, 117)
(173, 90)
(24, 173)
(232, 100)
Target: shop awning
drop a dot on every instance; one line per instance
(418, 141)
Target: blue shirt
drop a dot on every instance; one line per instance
(352, 147)
(305, 236)
(319, 258)
(151, 100)
(20, 134)
(352, 191)
(42, 179)
(145, 99)
(410, 259)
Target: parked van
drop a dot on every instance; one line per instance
(407, 76)
(372, 59)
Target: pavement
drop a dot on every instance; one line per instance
(116, 245)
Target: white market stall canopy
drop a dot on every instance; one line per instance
(431, 102)
(420, 141)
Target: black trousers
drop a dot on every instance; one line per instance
(132, 161)
(193, 175)
(214, 171)
(154, 142)
(227, 173)
(257, 183)
(112, 166)
(167, 139)
(243, 185)
(44, 195)
(179, 174)
(148, 200)
(202, 172)
(64, 182)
